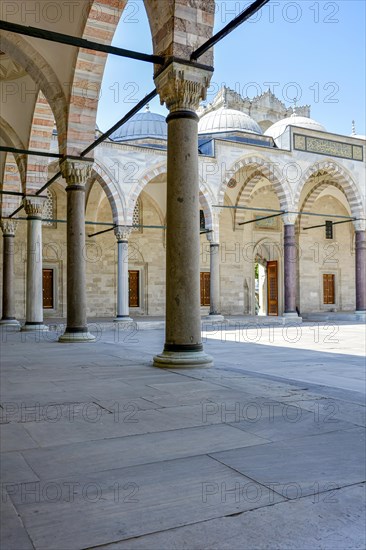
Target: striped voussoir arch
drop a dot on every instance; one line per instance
(205, 198)
(40, 140)
(103, 18)
(261, 168)
(339, 178)
(112, 191)
(311, 197)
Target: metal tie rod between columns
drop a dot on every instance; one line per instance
(241, 18)
(301, 213)
(43, 34)
(92, 146)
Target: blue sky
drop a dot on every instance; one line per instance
(314, 50)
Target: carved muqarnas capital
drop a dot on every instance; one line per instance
(122, 233)
(360, 225)
(289, 218)
(33, 206)
(182, 87)
(8, 227)
(75, 172)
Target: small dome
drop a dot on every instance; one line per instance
(142, 125)
(277, 129)
(224, 120)
(358, 136)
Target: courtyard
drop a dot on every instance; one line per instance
(264, 450)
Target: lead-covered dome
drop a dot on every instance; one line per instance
(142, 125)
(224, 120)
(279, 127)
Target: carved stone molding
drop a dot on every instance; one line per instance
(122, 233)
(8, 227)
(359, 225)
(289, 218)
(182, 87)
(33, 206)
(75, 172)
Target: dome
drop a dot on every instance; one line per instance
(224, 119)
(279, 127)
(142, 125)
(358, 136)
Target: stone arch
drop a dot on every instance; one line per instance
(205, 195)
(340, 178)
(43, 75)
(39, 140)
(261, 168)
(10, 181)
(11, 138)
(112, 191)
(176, 30)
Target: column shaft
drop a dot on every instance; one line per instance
(183, 317)
(214, 279)
(122, 277)
(34, 288)
(360, 271)
(75, 174)
(8, 301)
(290, 257)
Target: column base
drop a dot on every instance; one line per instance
(32, 327)
(214, 317)
(291, 316)
(183, 359)
(123, 319)
(360, 315)
(10, 323)
(76, 337)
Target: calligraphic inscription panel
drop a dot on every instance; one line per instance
(328, 147)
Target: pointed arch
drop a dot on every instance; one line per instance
(10, 182)
(261, 168)
(112, 191)
(11, 138)
(340, 178)
(43, 75)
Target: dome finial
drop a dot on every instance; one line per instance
(147, 108)
(294, 113)
(225, 98)
(353, 128)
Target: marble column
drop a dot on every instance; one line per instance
(8, 312)
(360, 261)
(289, 266)
(76, 173)
(122, 235)
(33, 207)
(182, 87)
(215, 300)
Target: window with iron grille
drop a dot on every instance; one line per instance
(202, 220)
(49, 209)
(137, 217)
(328, 229)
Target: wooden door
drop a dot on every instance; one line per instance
(205, 288)
(328, 289)
(134, 288)
(47, 288)
(272, 288)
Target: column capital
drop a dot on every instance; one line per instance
(359, 225)
(182, 87)
(8, 227)
(289, 218)
(33, 206)
(75, 172)
(122, 233)
(210, 236)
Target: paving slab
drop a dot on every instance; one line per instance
(332, 522)
(13, 536)
(118, 504)
(115, 453)
(304, 465)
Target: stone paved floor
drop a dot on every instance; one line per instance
(266, 450)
